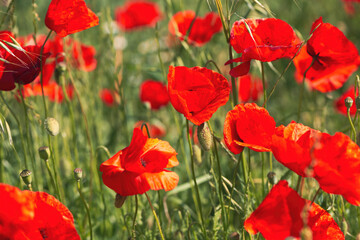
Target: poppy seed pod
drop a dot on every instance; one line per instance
(197, 154)
(52, 126)
(77, 174)
(349, 102)
(26, 177)
(205, 137)
(119, 200)
(44, 152)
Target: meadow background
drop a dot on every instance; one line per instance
(99, 131)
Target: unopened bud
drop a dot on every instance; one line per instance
(272, 178)
(205, 137)
(77, 174)
(197, 154)
(59, 71)
(306, 233)
(349, 102)
(26, 177)
(52, 126)
(44, 153)
(119, 200)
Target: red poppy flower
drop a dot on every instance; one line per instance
(155, 93)
(157, 130)
(340, 102)
(51, 90)
(136, 14)
(34, 215)
(202, 29)
(140, 166)
(332, 160)
(69, 16)
(291, 146)
(265, 40)
(107, 96)
(280, 216)
(250, 88)
(197, 92)
(5, 36)
(336, 58)
(21, 66)
(248, 125)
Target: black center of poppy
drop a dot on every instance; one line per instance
(43, 233)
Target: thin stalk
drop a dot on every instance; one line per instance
(133, 232)
(317, 193)
(20, 129)
(198, 202)
(52, 178)
(86, 207)
(263, 173)
(302, 89)
(233, 182)
(156, 218)
(351, 124)
(263, 82)
(220, 183)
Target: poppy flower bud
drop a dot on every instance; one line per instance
(77, 174)
(197, 154)
(52, 126)
(306, 233)
(119, 200)
(357, 102)
(349, 102)
(205, 137)
(44, 152)
(26, 177)
(272, 178)
(59, 71)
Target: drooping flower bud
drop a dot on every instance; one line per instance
(26, 177)
(349, 102)
(272, 178)
(52, 126)
(205, 137)
(44, 152)
(77, 174)
(197, 154)
(119, 200)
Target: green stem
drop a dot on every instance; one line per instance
(351, 124)
(133, 232)
(86, 207)
(52, 178)
(302, 89)
(198, 202)
(156, 218)
(263, 82)
(20, 129)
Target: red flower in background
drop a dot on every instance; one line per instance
(136, 14)
(280, 216)
(265, 40)
(69, 16)
(20, 66)
(340, 102)
(202, 29)
(108, 97)
(349, 6)
(157, 130)
(250, 88)
(51, 90)
(34, 215)
(248, 125)
(197, 92)
(335, 58)
(155, 93)
(332, 160)
(6, 36)
(140, 166)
